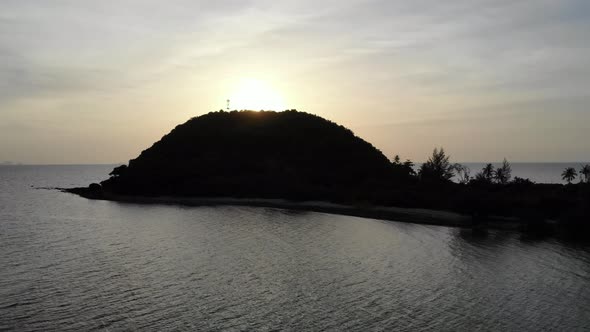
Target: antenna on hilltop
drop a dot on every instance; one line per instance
(227, 105)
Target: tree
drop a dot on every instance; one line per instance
(486, 175)
(503, 174)
(437, 168)
(569, 174)
(406, 168)
(463, 173)
(522, 182)
(585, 173)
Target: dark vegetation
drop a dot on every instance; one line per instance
(300, 156)
(290, 154)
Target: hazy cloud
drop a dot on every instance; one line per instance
(362, 62)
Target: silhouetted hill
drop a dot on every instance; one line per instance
(299, 156)
(288, 154)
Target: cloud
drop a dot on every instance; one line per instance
(464, 45)
(357, 61)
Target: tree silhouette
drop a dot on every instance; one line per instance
(503, 174)
(569, 174)
(585, 173)
(463, 173)
(522, 182)
(405, 168)
(408, 167)
(486, 175)
(437, 168)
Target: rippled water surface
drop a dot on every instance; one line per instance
(71, 264)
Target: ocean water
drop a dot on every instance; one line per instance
(72, 264)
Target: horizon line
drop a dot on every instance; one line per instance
(415, 162)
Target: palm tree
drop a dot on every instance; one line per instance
(486, 175)
(488, 172)
(504, 173)
(569, 174)
(463, 173)
(585, 173)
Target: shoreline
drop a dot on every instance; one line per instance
(398, 214)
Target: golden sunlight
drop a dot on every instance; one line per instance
(253, 94)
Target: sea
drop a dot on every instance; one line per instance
(72, 264)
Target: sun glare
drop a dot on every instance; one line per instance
(253, 94)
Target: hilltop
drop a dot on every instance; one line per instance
(290, 155)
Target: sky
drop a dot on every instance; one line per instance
(100, 81)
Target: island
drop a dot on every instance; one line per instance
(298, 160)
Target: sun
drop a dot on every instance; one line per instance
(254, 94)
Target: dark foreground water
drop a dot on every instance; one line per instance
(71, 264)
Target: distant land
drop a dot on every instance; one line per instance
(298, 160)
